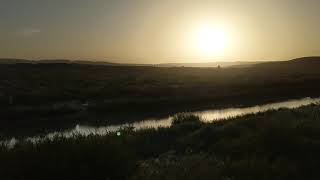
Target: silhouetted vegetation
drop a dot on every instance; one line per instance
(281, 144)
(35, 98)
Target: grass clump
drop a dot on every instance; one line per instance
(183, 118)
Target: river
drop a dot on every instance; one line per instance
(205, 115)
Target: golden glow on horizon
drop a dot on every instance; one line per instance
(211, 41)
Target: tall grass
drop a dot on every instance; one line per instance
(283, 144)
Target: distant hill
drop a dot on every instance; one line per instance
(53, 61)
(211, 64)
(13, 61)
(309, 60)
(303, 62)
(310, 65)
(65, 61)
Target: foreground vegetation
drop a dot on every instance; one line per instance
(281, 144)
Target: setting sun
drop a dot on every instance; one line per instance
(211, 41)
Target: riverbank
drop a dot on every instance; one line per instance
(206, 115)
(282, 144)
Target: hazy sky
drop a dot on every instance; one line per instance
(157, 31)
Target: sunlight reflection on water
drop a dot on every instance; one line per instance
(206, 116)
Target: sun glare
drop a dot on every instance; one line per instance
(211, 41)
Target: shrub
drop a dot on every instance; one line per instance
(183, 118)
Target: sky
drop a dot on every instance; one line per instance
(159, 31)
